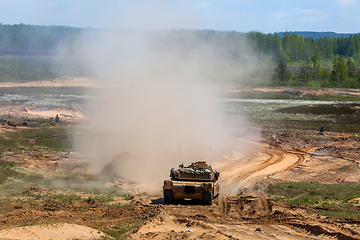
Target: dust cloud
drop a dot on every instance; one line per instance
(159, 101)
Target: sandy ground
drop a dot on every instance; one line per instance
(59, 82)
(53, 231)
(68, 113)
(243, 211)
(248, 214)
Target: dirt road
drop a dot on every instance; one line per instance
(243, 211)
(243, 174)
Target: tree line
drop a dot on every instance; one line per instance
(343, 73)
(296, 60)
(34, 37)
(292, 46)
(295, 48)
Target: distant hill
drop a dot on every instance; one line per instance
(316, 35)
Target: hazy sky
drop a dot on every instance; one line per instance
(230, 15)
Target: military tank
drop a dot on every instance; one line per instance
(196, 181)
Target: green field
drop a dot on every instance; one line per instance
(332, 200)
(47, 135)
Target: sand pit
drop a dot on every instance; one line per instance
(60, 231)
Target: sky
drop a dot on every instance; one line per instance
(267, 16)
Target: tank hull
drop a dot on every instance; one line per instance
(191, 190)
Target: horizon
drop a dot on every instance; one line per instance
(339, 16)
(104, 28)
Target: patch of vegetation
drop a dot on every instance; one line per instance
(262, 95)
(103, 198)
(33, 178)
(25, 68)
(7, 171)
(328, 97)
(341, 214)
(331, 200)
(295, 125)
(338, 109)
(62, 198)
(295, 94)
(6, 143)
(39, 91)
(316, 137)
(14, 183)
(119, 231)
(30, 69)
(312, 127)
(304, 200)
(56, 138)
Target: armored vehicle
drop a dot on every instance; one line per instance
(196, 181)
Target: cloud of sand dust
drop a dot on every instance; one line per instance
(160, 89)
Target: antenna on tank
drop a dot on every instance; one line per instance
(179, 155)
(210, 155)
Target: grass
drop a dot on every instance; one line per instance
(7, 171)
(319, 138)
(62, 198)
(39, 91)
(119, 231)
(307, 130)
(57, 138)
(103, 198)
(6, 143)
(46, 135)
(331, 200)
(295, 93)
(14, 184)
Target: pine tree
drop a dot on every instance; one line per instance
(281, 71)
(340, 71)
(316, 66)
(350, 64)
(305, 71)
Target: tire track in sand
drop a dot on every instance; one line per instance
(241, 175)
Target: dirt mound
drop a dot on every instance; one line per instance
(246, 206)
(285, 140)
(75, 108)
(115, 170)
(18, 122)
(324, 150)
(39, 190)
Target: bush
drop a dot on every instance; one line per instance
(349, 83)
(312, 83)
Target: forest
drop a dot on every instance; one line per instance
(321, 62)
(293, 60)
